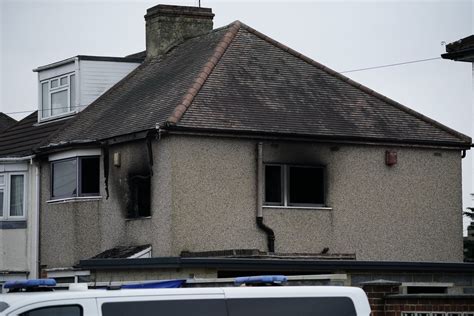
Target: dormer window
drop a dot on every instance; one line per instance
(58, 95)
(68, 86)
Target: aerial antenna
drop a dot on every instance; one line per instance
(199, 3)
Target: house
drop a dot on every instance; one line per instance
(19, 179)
(463, 50)
(62, 95)
(226, 153)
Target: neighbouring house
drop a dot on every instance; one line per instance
(227, 153)
(66, 87)
(5, 122)
(19, 197)
(463, 50)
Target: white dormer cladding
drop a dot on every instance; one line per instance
(69, 86)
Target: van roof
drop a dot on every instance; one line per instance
(357, 295)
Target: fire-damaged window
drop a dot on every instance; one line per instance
(75, 177)
(293, 185)
(139, 195)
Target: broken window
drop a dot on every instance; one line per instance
(273, 178)
(292, 185)
(139, 195)
(75, 177)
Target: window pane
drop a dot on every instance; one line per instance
(44, 100)
(72, 88)
(306, 185)
(205, 307)
(1, 202)
(65, 178)
(17, 192)
(59, 102)
(2, 180)
(273, 184)
(55, 311)
(63, 81)
(90, 175)
(308, 306)
(54, 83)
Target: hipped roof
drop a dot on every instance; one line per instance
(237, 80)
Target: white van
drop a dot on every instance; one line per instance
(230, 301)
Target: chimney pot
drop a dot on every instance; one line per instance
(169, 25)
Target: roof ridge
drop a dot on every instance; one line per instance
(357, 85)
(206, 70)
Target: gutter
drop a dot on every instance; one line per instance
(13, 159)
(460, 55)
(358, 140)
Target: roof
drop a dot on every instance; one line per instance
(256, 254)
(461, 50)
(23, 138)
(5, 122)
(121, 252)
(237, 80)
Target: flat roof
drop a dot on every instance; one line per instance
(273, 264)
(89, 57)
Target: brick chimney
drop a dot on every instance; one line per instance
(169, 25)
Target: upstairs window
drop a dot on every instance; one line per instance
(292, 185)
(75, 177)
(58, 96)
(12, 196)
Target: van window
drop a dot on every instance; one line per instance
(64, 310)
(209, 307)
(306, 306)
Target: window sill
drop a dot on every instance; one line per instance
(75, 199)
(12, 224)
(56, 117)
(316, 208)
(137, 218)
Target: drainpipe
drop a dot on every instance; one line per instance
(36, 257)
(268, 231)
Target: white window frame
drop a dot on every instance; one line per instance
(79, 194)
(6, 187)
(285, 186)
(71, 104)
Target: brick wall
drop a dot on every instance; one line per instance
(385, 300)
(377, 291)
(396, 304)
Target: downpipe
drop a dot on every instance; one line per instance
(268, 231)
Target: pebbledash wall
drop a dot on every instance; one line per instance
(204, 195)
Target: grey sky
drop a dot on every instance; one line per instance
(342, 35)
